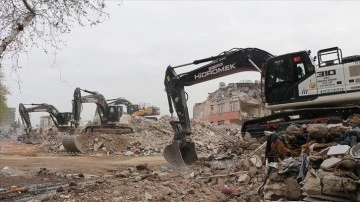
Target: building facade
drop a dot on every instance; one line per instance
(46, 122)
(234, 103)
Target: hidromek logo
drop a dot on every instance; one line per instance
(215, 69)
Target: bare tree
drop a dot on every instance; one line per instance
(25, 24)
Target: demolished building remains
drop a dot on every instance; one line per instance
(234, 103)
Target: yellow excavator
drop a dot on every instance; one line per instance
(145, 110)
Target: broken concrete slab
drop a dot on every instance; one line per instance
(330, 162)
(338, 149)
(256, 161)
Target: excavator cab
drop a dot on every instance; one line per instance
(284, 74)
(63, 120)
(115, 112)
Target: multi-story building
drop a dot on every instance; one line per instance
(234, 103)
(46, 122)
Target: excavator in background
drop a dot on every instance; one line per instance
(60, 119)
(293, 87)
(145, 110)
(109, 119)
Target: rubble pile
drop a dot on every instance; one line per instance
(230, 167)
(152, 136)
(228, 178)
(101, 144)
(314, 162)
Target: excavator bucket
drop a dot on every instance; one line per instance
(72, 144)
(180, 156)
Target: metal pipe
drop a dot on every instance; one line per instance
(253, 64)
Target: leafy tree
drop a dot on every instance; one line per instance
(39, 23)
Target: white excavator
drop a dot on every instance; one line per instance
(294, 87)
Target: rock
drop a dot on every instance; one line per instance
(293, 191)
(137, 178)
(330, 162)
(60, 189)
(123, 174)
(338, 149)
(243, 165)
(190, 191)
(253, 171)
(148, 196)
(98, 145)
(256, 161)
(244, 178)
(61, 148)
(142, 167)
(317, 131)
(335, 130)
(64, 196)
(164, 176)
(332, 183)
(129, 153)
(72, 184)
(312, 184)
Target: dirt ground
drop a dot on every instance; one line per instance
(131, 168)
(21, 163)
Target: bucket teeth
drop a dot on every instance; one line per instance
(72, 144)
(179, 156)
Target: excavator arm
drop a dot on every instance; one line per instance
(25, 118)
(94, 97)
(57, 117)
(182, 151)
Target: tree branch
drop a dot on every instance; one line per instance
(27, 5)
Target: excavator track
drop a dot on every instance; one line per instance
(73, 144)
(279, 121)
(109, 129)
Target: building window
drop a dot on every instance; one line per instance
(221, 122)
(221, 108)
(234, 106)
(212, 107)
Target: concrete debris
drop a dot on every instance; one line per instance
(330, 162)
(315, 164)
(338, 149)
(304, 162)
(317, 131)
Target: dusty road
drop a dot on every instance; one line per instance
(21, 166)
(29, 157)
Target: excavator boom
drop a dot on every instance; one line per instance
(60, 120)
(109, 119)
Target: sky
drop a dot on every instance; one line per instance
(127, 55)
